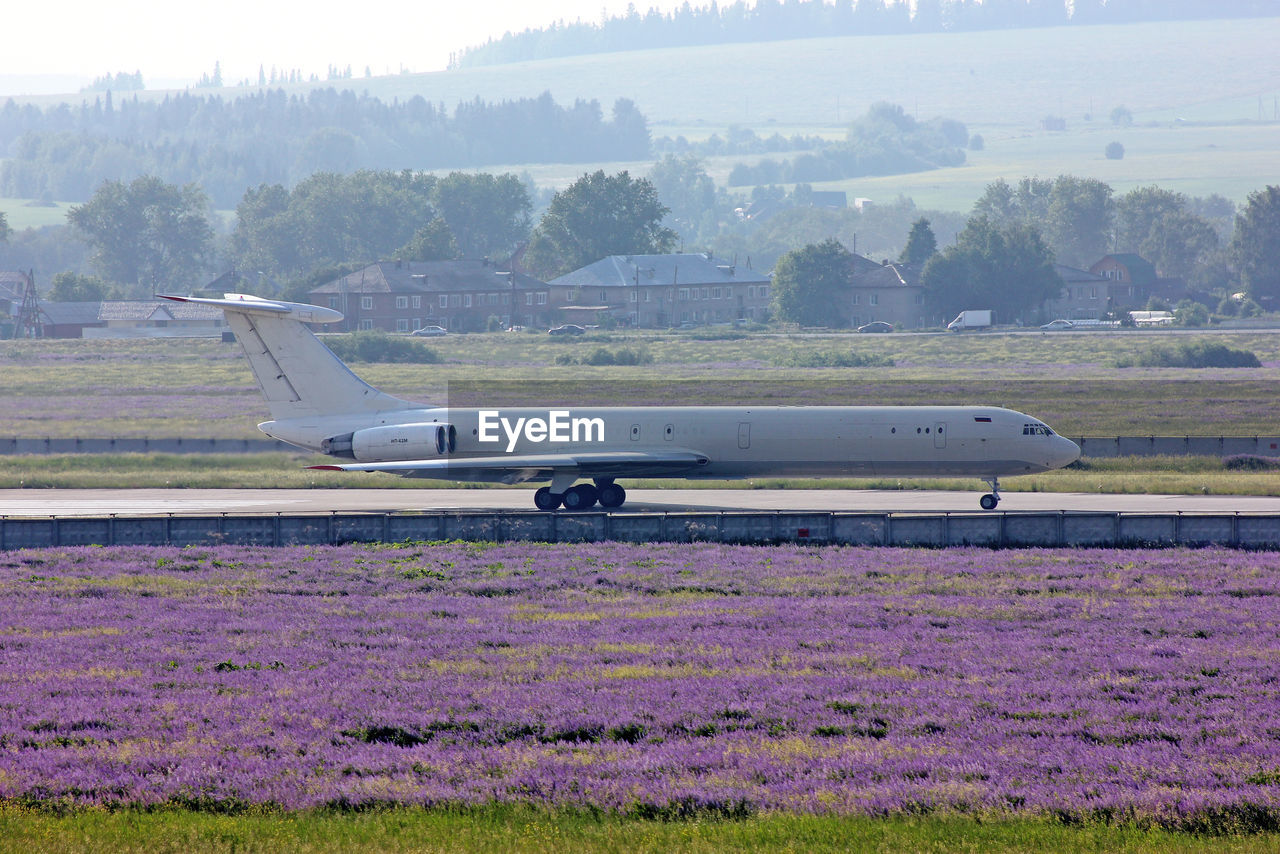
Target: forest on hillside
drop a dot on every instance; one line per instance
(775, 20)
(270, 137)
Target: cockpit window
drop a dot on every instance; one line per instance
(1036, 430)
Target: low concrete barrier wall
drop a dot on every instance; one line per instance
(141, 446)
(996, 530)
(1200, 446)
(1091, 446)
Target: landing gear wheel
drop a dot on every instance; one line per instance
(544, 500)
(990, 500)
(581, 497)
(612, 495)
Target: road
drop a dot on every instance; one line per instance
(131, 502)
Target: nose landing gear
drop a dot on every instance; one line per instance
(991, 499)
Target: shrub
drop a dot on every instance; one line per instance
(1201, 354)
(375, 345)
(832, 359)
(1114, 151)
(1189, 313)
(603, 356)
(1250, 462)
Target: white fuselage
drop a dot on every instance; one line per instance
(739, 441)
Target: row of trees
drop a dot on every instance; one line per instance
(1081, 219)
(148, 235)
(270, 137)
(1004, 258)
(886, 141)
(772, 20)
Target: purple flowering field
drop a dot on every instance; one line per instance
(649, 679)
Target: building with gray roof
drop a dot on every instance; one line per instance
(665, 290)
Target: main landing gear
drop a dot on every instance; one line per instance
(991, 499)
(584, 496)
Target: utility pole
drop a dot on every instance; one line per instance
(29, 313)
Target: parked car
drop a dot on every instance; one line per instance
(429, 332)
(566, 329)
(1057, 324)
(876, 326)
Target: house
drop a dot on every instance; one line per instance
(14, 287)
(1131, 280)
(154, 319)
(69, 319)
(889, 292)
(660, 291)
(1085, 295)
(461, 296)
(13, 284)
(129, 319)
(835, 200)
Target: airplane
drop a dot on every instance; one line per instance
(317, 403)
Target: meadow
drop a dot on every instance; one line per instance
(197, 388)
(681, 693)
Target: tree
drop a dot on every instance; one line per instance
(595, 217)
(921, 244)
(688, 191)
(1075, 213)
(1178, 243)
(487, 214)
(1114, 151)
(1121, 116)
(1079, 220)
(72, 287)
(1005, 205)
(1009, 270)
(1138, 210)
(811, 285)
(5, 230)
(146, 233)
(433, 242)
(330, 219)
(1255, 248)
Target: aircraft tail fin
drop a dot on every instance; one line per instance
(299, 376)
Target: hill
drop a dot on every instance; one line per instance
(1196, 90)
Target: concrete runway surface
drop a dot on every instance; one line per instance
(202, 502)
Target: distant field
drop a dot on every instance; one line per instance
(1198, 70)
(201, 388)
(1001, 84)
(1193, 89)
(19, 213)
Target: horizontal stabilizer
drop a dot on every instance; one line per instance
(248, 304)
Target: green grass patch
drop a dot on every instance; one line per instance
(1172, 475)
(522, 829)
(191, 388)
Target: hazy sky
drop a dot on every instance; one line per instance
(170, 41)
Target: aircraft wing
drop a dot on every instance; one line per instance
(517, 468)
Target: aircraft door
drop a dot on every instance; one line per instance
(744, 434)
(939, 434)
